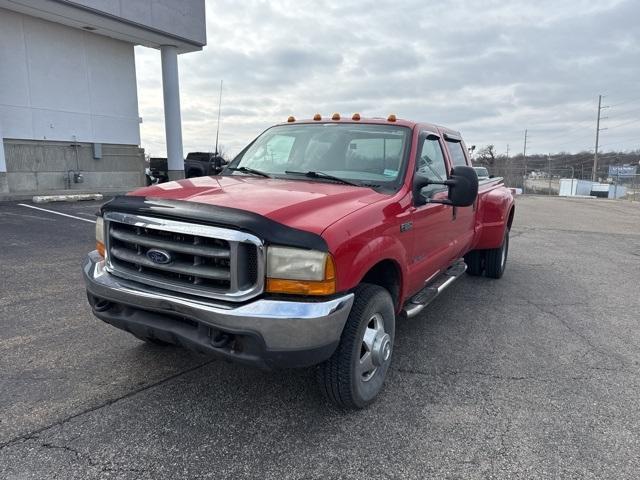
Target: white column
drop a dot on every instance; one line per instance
(172, 121)
(4, 185)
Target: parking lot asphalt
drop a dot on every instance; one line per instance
(535, 375)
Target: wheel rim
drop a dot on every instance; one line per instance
(375, 348)
(505, 247)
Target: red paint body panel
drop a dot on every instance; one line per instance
(494, 209)
(305, 205)
(363, 227)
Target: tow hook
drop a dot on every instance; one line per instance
(102, 305)
(220, 339)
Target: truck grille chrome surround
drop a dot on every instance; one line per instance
(189, 258)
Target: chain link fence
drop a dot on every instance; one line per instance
(548, 177)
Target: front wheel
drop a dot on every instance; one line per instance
(355, 373)
(496, 258)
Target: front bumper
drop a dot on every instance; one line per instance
(266, 333)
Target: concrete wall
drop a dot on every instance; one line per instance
(61, 83)
(42, 166)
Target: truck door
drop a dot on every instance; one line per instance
(463, 218)
(433, 243)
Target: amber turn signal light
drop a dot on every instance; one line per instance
(100, 248)
(300, 287)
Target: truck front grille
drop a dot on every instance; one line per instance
(184, 257)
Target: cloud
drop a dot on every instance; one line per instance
(489, 69)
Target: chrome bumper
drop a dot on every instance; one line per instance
(281, 325)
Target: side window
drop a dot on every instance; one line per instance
(456, 152)
(431, 164)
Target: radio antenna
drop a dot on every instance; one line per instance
(219, 107)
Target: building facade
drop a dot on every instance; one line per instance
(68, 94)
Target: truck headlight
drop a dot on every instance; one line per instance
(301, 272)
(100, 235)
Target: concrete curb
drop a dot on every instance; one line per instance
(29, 196)
(67, 198)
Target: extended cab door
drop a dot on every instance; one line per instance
(433, 245)
(463, 218)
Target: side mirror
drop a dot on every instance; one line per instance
(462, 183)
(463, 186)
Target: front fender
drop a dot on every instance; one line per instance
(369, 236)
(358, 263)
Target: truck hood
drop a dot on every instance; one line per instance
(305, 205)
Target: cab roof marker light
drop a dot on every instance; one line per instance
(356, 117)
(335, 116)
(317, 117)
(391, 118)
(291, 119)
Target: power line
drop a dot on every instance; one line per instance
(574, 139)
(626, 102)
(625, 112)
(622, 141)
(622, 124)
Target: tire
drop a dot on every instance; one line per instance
(345, 378)
(496, 258)
(474, 261)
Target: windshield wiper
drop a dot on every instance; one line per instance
(312, 174)
(249, 170)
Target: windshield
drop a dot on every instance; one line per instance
(368, 155)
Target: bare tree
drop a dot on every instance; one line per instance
(486, 156)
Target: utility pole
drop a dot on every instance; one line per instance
(506, 168)
(549, 161)
(524, 161)
(595, 154)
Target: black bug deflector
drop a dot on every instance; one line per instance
(270, 231)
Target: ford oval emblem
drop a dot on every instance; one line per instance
(161, 257)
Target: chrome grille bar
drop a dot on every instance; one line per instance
(197, 270)
(203, 260)
(150, 241)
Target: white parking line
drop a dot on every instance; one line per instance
(57, 213)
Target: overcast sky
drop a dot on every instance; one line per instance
(489, 69)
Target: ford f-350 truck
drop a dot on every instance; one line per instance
(305, 250)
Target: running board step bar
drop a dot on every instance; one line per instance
(425, 296)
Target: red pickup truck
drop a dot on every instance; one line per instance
(305, 250)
